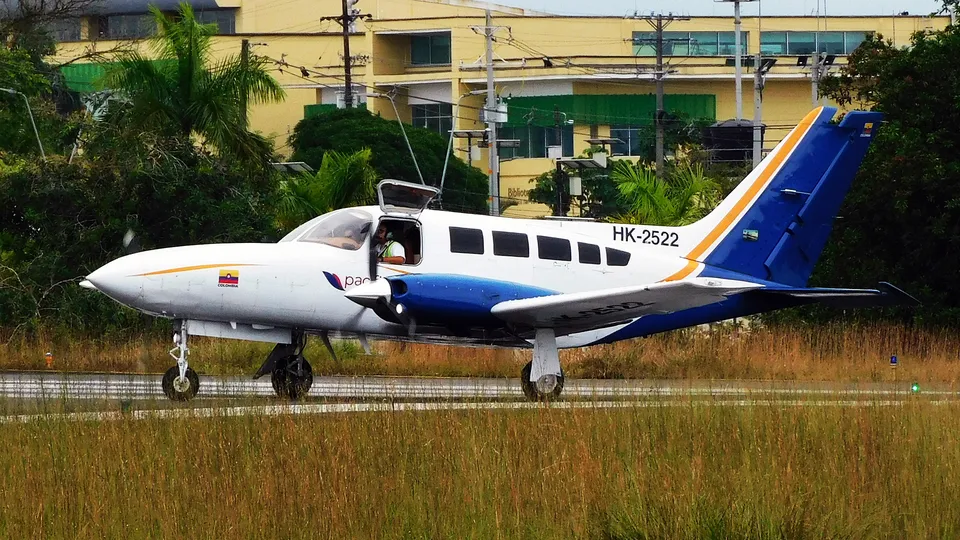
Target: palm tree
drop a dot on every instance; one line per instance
(686, 197)
(184, 90)
(343, 180)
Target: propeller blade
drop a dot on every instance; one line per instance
(130, 243)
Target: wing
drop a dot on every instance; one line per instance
(577, 312)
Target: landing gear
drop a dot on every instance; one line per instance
(180, 383)
(534, 391)
(290, 373)
(542, 379)
(292, 377)
(180, 389)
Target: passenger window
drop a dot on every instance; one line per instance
(553, 249)
(615, 257)
(466, 240)
(510, 244)
(589, 253)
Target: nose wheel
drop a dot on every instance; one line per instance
(180, 383)
(179, 388)
(292, 377)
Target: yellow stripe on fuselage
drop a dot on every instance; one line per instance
(788, 146)
(191, 268)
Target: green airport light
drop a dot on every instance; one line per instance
(915, 387)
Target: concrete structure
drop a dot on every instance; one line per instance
(598, 72)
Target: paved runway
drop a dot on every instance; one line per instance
(50, 385)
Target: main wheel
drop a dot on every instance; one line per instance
(530, 389)
(180, 390)
(292, 378)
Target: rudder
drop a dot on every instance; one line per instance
(774, 225)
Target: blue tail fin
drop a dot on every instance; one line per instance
(775, 223)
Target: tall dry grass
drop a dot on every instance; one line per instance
(837, 353)
(693, 471)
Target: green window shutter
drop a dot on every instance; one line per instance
(317, 109)
(622, 109)
(82, 77)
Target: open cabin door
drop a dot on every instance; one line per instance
(399, 200)
(397, 197)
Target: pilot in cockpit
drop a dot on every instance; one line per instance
(388, 249)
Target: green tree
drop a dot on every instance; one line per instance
(184, 91)
(18, 72)
(351, 130)
(685, 197)
(901, 219)
(62, 221)
(343, 180)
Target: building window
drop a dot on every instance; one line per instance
(689, 43)
(805, 43)
(433, 116)
(225, 19)
(553, 249)
(126, 26)
(466, 241)
(508, 244)
(773, 43)
(801, 42)
(589, 253)
(632, 137)
(534, 140)
(615, 257)
(64, 30)
(430, 49)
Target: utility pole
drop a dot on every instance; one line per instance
(491, 114)
(738, 60)
(757, 109)
(558, 184)
(659, 22)
(245, 64)
(347, 20)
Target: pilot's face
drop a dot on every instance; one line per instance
(381, 234)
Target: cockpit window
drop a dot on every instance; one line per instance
(347, 229)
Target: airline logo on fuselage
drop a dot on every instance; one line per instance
(348, 281)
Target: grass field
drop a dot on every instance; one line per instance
(835, 353)
(689, 471)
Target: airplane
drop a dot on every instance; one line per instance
(495, 281)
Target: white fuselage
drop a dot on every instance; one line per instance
(284, 285)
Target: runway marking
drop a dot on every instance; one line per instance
(344, 408)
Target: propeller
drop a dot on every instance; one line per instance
(130, 243)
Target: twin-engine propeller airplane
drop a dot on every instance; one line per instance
(402, 272)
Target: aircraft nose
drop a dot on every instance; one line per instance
(117, 279)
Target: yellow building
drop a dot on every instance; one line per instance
(597, 72)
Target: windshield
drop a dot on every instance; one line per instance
(346, 229)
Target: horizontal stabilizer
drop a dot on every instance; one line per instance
(885, 295)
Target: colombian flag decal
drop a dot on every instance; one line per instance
(229, 278)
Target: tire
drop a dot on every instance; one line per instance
(288, 383)
(530, 388)
(183, 394)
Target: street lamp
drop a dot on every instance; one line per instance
(11, 91)
(412, 155)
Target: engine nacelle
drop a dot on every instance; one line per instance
(455, 300)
